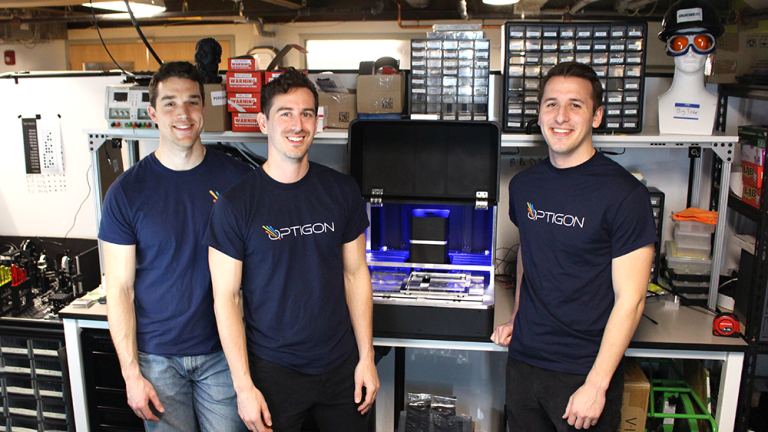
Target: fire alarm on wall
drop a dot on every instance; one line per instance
(10, 57)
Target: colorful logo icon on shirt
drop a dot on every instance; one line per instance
(531, 212)
(215, 195)
(272, 233)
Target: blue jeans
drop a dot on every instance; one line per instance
(196, 392)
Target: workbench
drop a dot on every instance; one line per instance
(681, 333)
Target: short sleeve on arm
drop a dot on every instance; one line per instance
(358, 218)
(116, 224)
(224, 233)
(633, 225)
(512, 215)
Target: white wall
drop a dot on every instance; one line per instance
(42, 56)
(80, 102)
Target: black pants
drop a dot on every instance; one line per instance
(537, 398)
(292, 395)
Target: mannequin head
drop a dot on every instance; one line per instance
(690, 63)
(207, 58)
(690, 29)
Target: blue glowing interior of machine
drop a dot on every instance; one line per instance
(470, 232)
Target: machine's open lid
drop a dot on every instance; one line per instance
(425, 161)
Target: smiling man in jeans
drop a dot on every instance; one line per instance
(160, 303)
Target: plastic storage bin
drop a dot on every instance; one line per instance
(692, 238)
(685, 264)
(694, 226)
(693, 251)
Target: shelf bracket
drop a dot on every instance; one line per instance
(725, 151)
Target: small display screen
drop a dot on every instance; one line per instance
(145, 97)
(120, 96)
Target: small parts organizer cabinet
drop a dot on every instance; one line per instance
(35, 391)
(616, 51)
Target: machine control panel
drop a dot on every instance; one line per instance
(126, 107)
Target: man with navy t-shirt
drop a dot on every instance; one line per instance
(159, 297)
(586, 245)
(292, 234)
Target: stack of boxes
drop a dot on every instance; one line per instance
(244, 83)
(753, 140)
(450, 75)
(244, 93)
(687, 264)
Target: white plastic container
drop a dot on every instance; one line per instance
(694, 226)
(692, 251)
(692, 238)
(686, 264)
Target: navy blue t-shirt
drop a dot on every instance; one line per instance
(572, 223)
(165, 213)
(289, 238)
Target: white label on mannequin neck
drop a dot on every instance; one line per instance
(686, 111)
(687, 15)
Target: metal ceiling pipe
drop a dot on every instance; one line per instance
(258, 27)
(463, 9)
(400, 18)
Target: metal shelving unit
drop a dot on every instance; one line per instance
(719, 143)
(757, 322)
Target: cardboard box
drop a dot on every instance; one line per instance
(380, 94)
(321, 118)
(271, 75)
(697, 377)
(244, 102)
(754, 135)
(752, 174)
(739, 52)
(245, 122)
(751, 195)
(634, 405)
(217, 118)
(244, 82)
(342, 108)
(243, 64)
(753, 154)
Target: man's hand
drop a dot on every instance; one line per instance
(503, 334)
(585, 406)
(140, 394)
(253, 410)
(366, 376)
